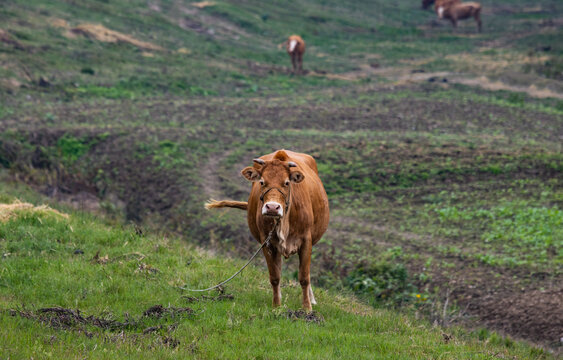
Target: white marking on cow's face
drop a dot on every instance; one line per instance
(441, 12)
(292, 45)
(272, 208)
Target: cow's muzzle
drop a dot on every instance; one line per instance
(272, 208)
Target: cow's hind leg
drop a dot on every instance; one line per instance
(304, 272)
(273, 259)
(300, 62)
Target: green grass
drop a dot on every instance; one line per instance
(41, 268)
(438, 179)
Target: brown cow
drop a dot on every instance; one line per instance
(438, 3)
(287, 191)
(444, 3)
(295, 47)
(461, 11)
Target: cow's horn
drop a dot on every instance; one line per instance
(259, 161)
(291, 164)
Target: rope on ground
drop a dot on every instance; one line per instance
(241, 269)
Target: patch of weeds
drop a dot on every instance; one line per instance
(168, 154)
(522, 232)
(384, 282)
(71, 148)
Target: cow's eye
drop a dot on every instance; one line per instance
(262, 182)
(286, 183)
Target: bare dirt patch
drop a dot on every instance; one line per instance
(534, 315)
(59, 318)
(489, 84)
(403, 76)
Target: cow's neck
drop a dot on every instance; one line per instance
(283, 228)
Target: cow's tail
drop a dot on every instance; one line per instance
(214, 204)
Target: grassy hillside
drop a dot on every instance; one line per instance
(75, 286)
(440, 150)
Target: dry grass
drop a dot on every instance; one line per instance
(10, 211)
(203, 4)
(101, 33)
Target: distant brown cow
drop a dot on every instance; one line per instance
(286, 188)
(461, 11)
(295, 47)
(444, 4)
(427, 3)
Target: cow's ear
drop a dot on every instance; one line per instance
(250, 173)
(296, 176)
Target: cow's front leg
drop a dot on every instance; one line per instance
(273, 259)
(304, 272)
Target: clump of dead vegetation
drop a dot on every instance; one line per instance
(101, 33)
(13, 210)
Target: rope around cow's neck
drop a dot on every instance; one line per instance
(242, 268)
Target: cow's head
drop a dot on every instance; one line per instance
(427, 3)
(274, 178)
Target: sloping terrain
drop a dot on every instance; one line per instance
(74, 285)
(439, 186)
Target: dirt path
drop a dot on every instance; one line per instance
(401, 76)
(210, 181)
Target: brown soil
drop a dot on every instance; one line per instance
(131, 329)
(530, 314)
(524, 305)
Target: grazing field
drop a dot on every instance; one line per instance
(74, 286)
(440, 150)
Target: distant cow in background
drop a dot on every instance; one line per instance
(295, 47)
(426, 3)
(460, 11)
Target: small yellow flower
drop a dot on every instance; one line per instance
(418, 296)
